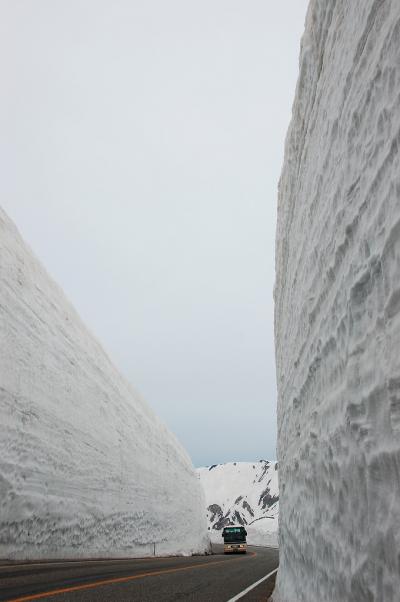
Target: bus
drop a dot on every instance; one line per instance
(234, 540)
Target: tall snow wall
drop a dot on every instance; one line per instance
(86, 468)
(337, 311)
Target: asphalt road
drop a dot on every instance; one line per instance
(215, 578)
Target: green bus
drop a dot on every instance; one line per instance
(234, 540)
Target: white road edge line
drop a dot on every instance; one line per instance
(248, 589)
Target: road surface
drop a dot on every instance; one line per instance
(214, 578)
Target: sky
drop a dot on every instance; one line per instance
(141, 143)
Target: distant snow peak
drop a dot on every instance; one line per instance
(242, 493)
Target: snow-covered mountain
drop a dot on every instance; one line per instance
(337, 311)
(86, 467)
(242, 493)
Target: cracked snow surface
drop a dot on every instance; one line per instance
(337, 313)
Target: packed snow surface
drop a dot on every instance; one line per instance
(337, 317)
(242, 493)
(86, 468)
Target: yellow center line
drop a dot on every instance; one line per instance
(93, 585)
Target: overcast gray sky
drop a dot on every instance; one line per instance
(141, 143)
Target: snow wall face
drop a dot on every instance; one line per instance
(337, 312)
(86, 468)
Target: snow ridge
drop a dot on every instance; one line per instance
(337, 310)
(242, 493)
(86, 468)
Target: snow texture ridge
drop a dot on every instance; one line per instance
(337, 311)
(86, 468)
(242, 493)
